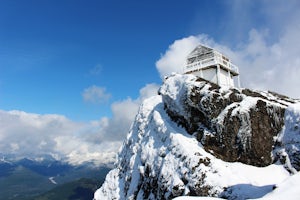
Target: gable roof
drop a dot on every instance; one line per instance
(200, 50)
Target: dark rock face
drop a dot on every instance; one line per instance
(233, 124)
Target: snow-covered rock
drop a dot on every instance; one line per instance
(197, 139)
(235, 124)
(288, 189)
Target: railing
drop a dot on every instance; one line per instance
(217, 59)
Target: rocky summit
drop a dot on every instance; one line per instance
(235, 125)
(198, 139)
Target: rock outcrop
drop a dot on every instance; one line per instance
(198, 139)
(234, 124)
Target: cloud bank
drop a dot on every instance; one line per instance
(34, 135)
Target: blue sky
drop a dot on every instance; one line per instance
(50, 51)
(91, 63)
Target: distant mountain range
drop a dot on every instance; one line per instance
(46, 177)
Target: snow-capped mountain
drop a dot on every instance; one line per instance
(198, 139)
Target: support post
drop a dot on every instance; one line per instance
(239, 83)
(229, 79)
(218, 75)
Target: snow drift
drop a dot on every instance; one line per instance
(197, 139)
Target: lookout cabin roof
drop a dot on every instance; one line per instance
(203, 57)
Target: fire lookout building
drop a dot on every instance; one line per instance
(212, 66)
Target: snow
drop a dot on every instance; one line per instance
(111, 184)
(288, 189)
(245, 105)
(52, 180)
(290, 135)
(156, 148)
(195, 198)
(292, 124)
(5, 161)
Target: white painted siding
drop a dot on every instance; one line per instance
(225, 78)
(208, 74)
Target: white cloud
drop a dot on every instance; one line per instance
(173, 60)
(95, 94)
(123, 113)
(28, 134)
(148, 91)
(263, 65)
